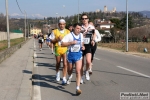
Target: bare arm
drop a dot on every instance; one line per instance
(66, 44)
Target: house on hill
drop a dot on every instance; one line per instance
(35, 31)
(106, 27)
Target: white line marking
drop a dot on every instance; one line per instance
(97, 58)
(134, 71)
(35, 55)
(37, 92)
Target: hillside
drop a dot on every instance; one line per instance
(145, 13)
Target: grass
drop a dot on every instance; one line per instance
(3, 44)
(132, 46)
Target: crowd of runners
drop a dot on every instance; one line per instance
(74, 46)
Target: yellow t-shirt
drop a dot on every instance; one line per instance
(58, 49)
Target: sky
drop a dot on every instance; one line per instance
(49, 8)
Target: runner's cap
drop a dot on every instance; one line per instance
(62, 21)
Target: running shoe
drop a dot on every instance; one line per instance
(87, 76)
(58, 76)
(81, 81)
(69, 79)
(78, 92)
(64, 81)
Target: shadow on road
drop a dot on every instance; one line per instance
(27, 72)
(120, 74)
(49, 78)
(45, 57)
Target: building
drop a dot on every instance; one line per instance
(111, 11)
(104, 25)
(105, 9)
(114, 10)
(35, 31)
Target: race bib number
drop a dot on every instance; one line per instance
(86, 40)
(75, 48)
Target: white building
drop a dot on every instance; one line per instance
(105, 25)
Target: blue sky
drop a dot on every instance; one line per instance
(47, 8)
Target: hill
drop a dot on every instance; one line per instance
(145, 13)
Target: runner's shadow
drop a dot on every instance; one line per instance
(27, 72)
(59, 88)
(45, 57)
(45, 65)
(51, 79)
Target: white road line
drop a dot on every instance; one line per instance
(36, 87)
(97, 58)
(134, 71)
(37, 92)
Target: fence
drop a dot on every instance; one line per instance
(3, 35)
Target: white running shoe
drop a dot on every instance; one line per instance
(64, 81)
(81, 81)
(69, 79)
(58, 76)
(87, 76)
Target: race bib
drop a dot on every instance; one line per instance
(86, 40)
(75, 48)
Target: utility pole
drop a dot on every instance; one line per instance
(64, 10)
(78, 11)
(7, 19)
(127, 26)
(25, 24)
(28, 28)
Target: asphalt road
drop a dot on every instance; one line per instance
(113, 72)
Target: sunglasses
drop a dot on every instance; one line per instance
(84, 18)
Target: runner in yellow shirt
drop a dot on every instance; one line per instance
(60, 52)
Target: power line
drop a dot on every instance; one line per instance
(19, 7)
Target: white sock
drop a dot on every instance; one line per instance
(64, 78)
(77, 87)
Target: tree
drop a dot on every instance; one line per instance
(123, 23)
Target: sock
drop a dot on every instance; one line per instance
(77, 87)
(64, 78)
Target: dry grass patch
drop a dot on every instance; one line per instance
(133, 46)
(3, 44)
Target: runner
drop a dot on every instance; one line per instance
(74, 42)
(70, 27)
(41, 40)
(45, 36)
(48, 40)
(93, 50)
(89, 37)
(60, 52)
(51, 44)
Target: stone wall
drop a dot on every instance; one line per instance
(3, 35)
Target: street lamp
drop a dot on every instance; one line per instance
(78, 11)
(25, 23)
(8, 35)
(57, 19)
(127, 26)
(64, 10)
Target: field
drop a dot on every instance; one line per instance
(132, 46)
(3, 44)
